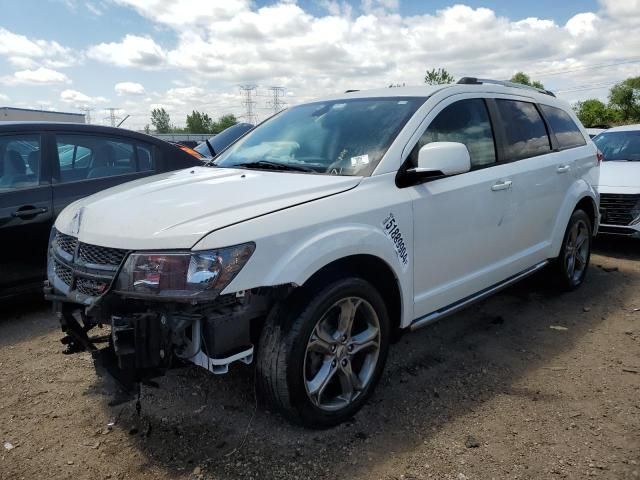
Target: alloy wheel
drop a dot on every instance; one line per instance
(341, 354)
(576, 253)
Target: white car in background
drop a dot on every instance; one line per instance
(619, 185)
(322, 232)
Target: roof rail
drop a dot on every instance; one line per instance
(479, 81)
(351, 91)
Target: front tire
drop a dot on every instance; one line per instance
(570, 268)
(322, 352)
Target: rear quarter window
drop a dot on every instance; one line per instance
(565, 129)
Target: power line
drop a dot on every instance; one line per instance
(580, 88)
(248, 93)
(585, 67)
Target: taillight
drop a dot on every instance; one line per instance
(600, 157)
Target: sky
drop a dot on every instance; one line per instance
(184, 55)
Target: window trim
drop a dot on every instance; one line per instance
(504, 135)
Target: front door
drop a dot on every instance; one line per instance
(25, 212)
(463, 224)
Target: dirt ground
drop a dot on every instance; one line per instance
(496, 391)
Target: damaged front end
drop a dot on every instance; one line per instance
(141, 313)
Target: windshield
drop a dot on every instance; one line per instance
(619, 146)
(341, 137)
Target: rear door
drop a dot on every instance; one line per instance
(25, 210)
(88, 163)
(539, 176)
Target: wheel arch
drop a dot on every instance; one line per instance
(373, 269)
(581, 195)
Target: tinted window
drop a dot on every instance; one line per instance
(83, 157)
(566, 131)
(525, 132)
(145, 158)
(619, 146)
(466, 121)
(19, 161)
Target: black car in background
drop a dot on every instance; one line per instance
(222, 140)
(46, 166)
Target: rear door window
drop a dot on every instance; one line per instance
(85, 157)
(524, 130)
(19, 161)
(564, 128)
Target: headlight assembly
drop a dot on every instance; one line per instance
(188, 276)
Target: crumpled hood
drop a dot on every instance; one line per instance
(620, 174)
(176, 209)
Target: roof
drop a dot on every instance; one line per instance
(41, 111)
(428, 90)
(625, 128)
(34, 126)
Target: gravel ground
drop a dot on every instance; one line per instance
(526, 384)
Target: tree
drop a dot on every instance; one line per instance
(198, 122)
(524, 79)
(593, 113)
(147, 130)
(438, 77)
(160, 120)
(624, 99)
(225, 121)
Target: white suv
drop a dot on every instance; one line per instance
(619, 185)
(325, 231)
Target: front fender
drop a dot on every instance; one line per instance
(275, 263)
(313, 253)
(578, 191)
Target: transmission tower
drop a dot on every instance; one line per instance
(113, 119)
(87, 113)
(276, 103)
(248, 93)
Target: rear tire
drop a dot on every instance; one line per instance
(321, 353)
(570, 268)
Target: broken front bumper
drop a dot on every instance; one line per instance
(137, 344)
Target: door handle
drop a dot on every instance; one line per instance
(502, 185)
(29, 212)
(563, 168)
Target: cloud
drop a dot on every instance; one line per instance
(39, 76)
(365, 44)
(188, 12)
(283, 44)
(3, 98)
(75, 97)
(132, 51)
(94, 9)
(24, 52)
(129, 88)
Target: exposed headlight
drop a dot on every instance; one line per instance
(188, 276)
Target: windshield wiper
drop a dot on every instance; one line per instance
(268, 165)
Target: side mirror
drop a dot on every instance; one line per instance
(441, 159)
